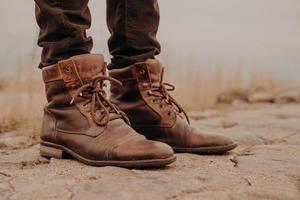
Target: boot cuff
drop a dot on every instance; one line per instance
(77, 67)
(142, 71)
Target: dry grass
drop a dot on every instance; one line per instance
(199, 88)
(266, 82)
(195, 90)
(22, 99)
(21, 105)
(198, 91)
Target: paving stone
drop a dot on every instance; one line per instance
(266, 165)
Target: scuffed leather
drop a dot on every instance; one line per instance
(71, 126)
(133, 97)
(155, 121)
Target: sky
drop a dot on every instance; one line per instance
(255, 35)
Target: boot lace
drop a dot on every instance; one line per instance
(96, 97)
(161, 92)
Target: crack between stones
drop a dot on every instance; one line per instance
(184, 193)
(234, 160)
(247, 181)
(244, 152)
(276, 141)
(5, 174)
(12, 187)
(71, 192)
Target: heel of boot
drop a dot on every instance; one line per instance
(51, 152)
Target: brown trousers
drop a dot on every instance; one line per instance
(133, 26)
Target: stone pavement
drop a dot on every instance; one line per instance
(266, 165)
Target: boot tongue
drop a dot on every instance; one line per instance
(155, 70)
(82, 67)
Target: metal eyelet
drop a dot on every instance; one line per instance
(142, 71)
(67, 69)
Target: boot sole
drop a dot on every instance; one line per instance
(206, 150)
(51, 150)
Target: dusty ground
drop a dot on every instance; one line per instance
(265, 166)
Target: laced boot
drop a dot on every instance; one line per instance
(80, 121)
(153, 112)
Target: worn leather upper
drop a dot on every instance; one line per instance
(134, 99)
(79, 117)
(153, 112)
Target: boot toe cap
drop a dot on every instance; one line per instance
(144, 150)
(209, 139)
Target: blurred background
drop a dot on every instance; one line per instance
(212, 50)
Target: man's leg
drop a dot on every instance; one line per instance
(63, 26)
(144, 96)
(133, 26)
(78, 118)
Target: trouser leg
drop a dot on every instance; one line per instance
(63, 25)
(133, 25)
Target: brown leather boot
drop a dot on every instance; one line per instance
(154, 113)
(79, 120)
